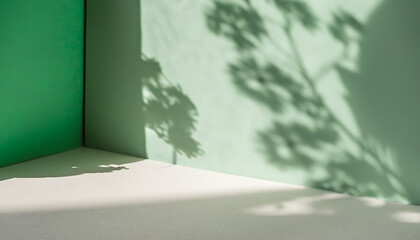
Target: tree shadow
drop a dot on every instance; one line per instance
(169, 112)
(315, 137)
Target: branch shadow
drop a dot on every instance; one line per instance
(169, 112)
(315, 138)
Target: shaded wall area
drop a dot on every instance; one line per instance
(41, 78)
(114, 119)
(384, 94)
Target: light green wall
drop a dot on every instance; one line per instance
(226, 87)
(41, 78)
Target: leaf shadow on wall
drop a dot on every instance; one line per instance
(169, 112)
(315, 137)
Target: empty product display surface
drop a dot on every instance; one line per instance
(212, 119)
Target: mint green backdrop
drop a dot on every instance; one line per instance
(41, 78)
(317, 93)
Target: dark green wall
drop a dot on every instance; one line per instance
(114, 119)
(41, 78)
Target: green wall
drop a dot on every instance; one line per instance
(41, 78)
(316, 94)
(114, 118)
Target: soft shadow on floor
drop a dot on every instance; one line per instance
(71, 163)
(286, 214)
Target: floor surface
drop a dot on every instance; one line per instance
(91, 194)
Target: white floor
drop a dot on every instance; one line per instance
(91, 194)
